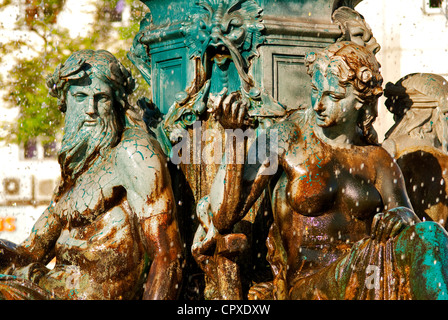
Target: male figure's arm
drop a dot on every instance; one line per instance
(39, 244)
(145, 176)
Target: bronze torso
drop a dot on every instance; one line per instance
(333, 198)
(99, 230)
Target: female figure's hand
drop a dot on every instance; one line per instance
(230, 110)
(389, 224)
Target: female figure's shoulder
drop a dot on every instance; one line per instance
(293, 127)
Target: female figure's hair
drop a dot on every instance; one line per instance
(358, 67)
(343, 14)
(344, 17)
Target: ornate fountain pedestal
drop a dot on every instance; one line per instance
(288, 30)
(189, 51)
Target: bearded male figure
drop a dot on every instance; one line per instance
(112, 222)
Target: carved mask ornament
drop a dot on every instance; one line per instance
(223, 30)
(223, 35)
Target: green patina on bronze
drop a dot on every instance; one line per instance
(111, 225)
(332, 221)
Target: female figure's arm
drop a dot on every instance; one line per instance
(238, 184)
(398, 209)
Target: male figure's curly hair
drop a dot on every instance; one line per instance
(84, 63)
(105, 66)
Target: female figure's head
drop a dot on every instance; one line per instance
(346, 85)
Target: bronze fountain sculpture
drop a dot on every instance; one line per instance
(340, 204)
(339, 222)
(112, 222)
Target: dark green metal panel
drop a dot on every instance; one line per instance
(170, 69)
(168, 12)
(290, 29)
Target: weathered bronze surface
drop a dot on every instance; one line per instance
(418, 140)
(112, 222)
(340, 205)
(240, 178)
(355, 28)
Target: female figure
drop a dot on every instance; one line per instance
(343, 224)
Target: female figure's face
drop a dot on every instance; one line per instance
(332, 103)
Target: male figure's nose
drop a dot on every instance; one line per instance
(91, 110)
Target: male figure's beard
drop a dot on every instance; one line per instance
(81, 146)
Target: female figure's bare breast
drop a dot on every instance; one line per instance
(323, 203)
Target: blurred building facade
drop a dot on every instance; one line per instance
(413, 35)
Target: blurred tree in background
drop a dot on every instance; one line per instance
(25, 83)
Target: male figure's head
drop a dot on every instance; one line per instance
(92, 89)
